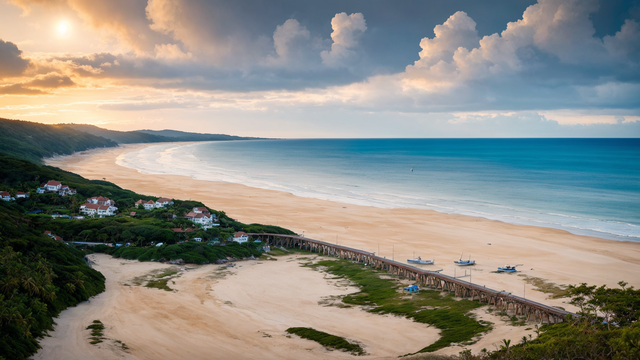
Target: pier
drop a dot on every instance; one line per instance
(516, 305)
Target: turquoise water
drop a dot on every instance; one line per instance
(585, 186)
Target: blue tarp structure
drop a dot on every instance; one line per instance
(412, 288)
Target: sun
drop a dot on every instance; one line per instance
(63, 28)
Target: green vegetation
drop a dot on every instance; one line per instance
(97, 328)
(159, 284)
(32, 141)
(151, 136)
(327, 340)
(39, 277)
(556, 291)
(382, 296)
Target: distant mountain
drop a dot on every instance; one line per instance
(33, 141)
(121, 137)
(189, 136)
(151, 136)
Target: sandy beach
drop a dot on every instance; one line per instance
(195, 316)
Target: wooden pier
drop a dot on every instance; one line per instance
(504, 301)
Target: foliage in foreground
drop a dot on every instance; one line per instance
(444, 312)
(39, 277)
(190, 252)
(327, 340)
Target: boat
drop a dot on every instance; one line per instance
(420, 261)
(507, 268)
(465, 262)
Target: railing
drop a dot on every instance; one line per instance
(518, 304)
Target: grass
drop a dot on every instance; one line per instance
(556, 291)
(169, 272)
(97, 328)
(159, 284)
(327, 340)
(383, 296)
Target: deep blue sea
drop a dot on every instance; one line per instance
(585, 186)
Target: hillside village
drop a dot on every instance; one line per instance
(60, 202)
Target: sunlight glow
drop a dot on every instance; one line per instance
(63, 28)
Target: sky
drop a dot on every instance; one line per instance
(339, 69)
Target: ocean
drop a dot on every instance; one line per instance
(585, 186)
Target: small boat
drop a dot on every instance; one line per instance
(420, 261)
(507, 268)
(465, 262)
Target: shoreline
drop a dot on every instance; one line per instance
(551, 254)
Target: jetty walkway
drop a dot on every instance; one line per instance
(533, 311)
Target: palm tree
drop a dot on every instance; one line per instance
(507, 344)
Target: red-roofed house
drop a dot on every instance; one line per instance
(5, 195)
(66, 190)
(100, 210)
(149, 205)
(53, 185)
(241, 237)
(201, 210)
(200, 218)
(58, 238)
(164, 202)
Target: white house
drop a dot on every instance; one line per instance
(163, 202)
(201, 210)
(41, 190)
(241, 237)
(66, 190)
(22, 195)
(149, 205)
(197, 239)
(53, 185)
(202, 219)
(5, 195)
(99, 200)
(100, 210)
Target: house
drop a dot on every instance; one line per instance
(163, 202)
(100, 210)
(202, 219)
(5, 196)
(99, 200)
(66, 190)
(41, 190)
(133, 213)
(241, 237)
(53, 185)
(22, 195)
(139, 202)
(57, 238)
(197, 239)
(49, 234)
(201, 210)
(149, 205)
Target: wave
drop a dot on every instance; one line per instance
(205, 163)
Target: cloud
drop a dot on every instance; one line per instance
(12, 63)
(51, 80)
(17, 89)
(347, 31)
(146, 105)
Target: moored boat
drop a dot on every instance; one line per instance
(420, 261)
(507, 268)
(465, 262)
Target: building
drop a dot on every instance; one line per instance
(100, 210)
(66, 190)
(53, 185)
(148, 205)
(202, 219)
(99, 200)
(201, 210)
(41, 190)
(164, 202)
(22, 195)
(241, 237)
(5, 195)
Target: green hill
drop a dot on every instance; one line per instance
(121, 137)
(189, 136)
(33, 141)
